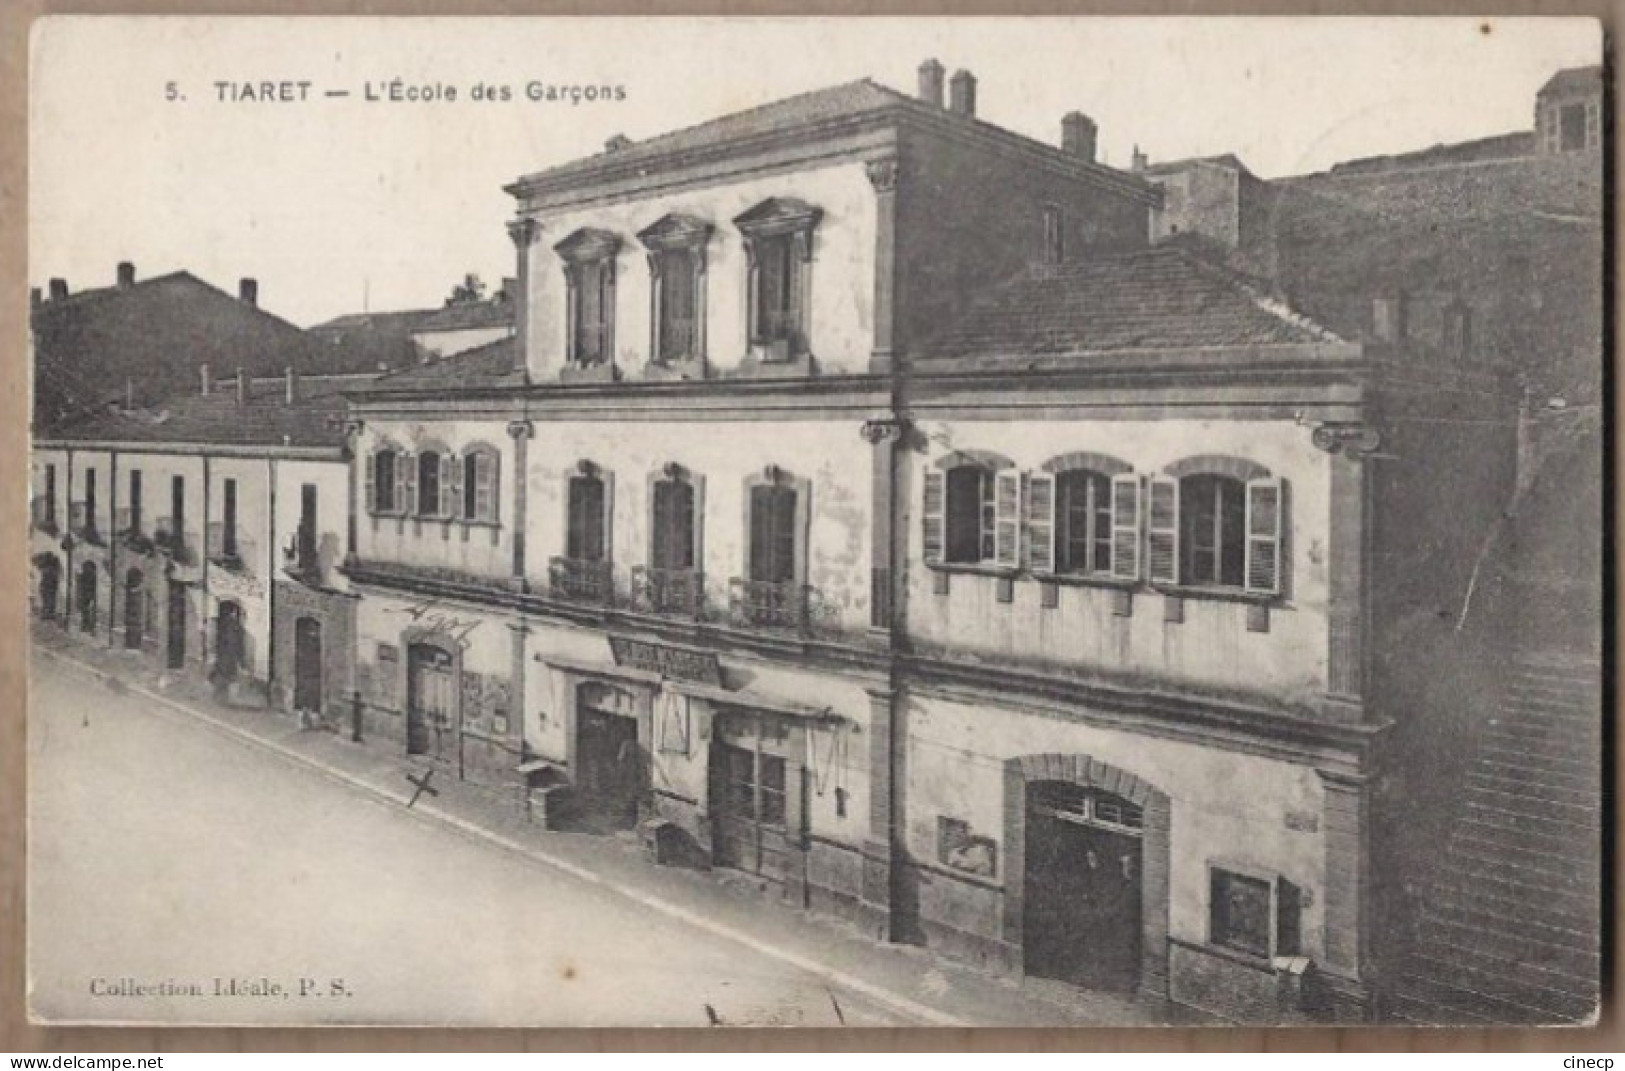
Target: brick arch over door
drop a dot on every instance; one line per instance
(1088, 772)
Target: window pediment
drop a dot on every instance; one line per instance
(588, 244)
(675, 231)
(777, 216)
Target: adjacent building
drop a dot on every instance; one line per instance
(204, 535)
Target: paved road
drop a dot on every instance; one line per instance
(169, 855)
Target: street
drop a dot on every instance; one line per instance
(165, 856)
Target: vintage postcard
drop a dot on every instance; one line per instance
(815, 522)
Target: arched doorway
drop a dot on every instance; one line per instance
(135, 609)
(609, 764)
(228, 645)
(430, 690)
(86, 594)
(50, 585)
(307, 665)
(1086, 873)
(1081, 917)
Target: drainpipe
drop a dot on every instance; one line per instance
(112, 543)
(204, 595)
(270, 587)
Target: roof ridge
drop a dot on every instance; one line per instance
(1265, 302)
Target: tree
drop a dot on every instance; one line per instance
(471, 291)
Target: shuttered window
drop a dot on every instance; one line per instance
(970, 514)
(430, 481)
(673, 543)
(934, 517)
(679, 305)
(593, 296)
(1212, 526)
(476, 491)
(382, 483)
(772, 533)
(586, 539)
(1086, 522)
(406, 483)
(1162, 530)
(1265, 507)
(778, 289)
(1041, 523)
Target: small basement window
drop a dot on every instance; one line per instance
(1256, 914)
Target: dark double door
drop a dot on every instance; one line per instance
(1082, 889)
(752, 791)
(611, 767)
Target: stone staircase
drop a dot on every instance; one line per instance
(1507, 930)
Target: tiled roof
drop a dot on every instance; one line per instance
(371, 341)
(155, 334)
(848, 99)
(855, 100)
(1161, 298)
(490, 365)
(498, 312)
(1574, 80)
(316, 419)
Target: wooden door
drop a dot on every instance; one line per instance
(307, 665)
(177, 626)
(429, 698)
(751, 797)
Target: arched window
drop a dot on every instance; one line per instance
(431, 487)
(1217, 522)
(477, 498)
(972, 511)
(385, 482)
(1083, 522)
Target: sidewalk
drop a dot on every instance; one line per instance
(918, 985)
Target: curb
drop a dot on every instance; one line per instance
(427, 813)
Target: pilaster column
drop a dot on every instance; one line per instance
(883, 174)
(883, 435)
(518, 632)
(1347, 546)
(524, 232)
(877, 898)
(521, 431)
(1346, 893)
(352, 437)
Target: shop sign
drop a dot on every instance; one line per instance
(678, 663)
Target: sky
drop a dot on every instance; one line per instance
(340, 204)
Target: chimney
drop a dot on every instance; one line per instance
(617, 143)
(962, 94)
(59, 289)
(126, 275)
(1140, 162)
(1078, 133)
(242, 387)
(1388, 316)
(203, 374)
(292, 379)
(931, 83)
(248, 292)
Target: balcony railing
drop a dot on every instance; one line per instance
(769, 604)
(42, 514)
(168, 537)
(680, 592)
(82, 523)
(581, 581)
(235, 553)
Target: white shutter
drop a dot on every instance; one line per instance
(406, 473)
(1041, 523)
(1007, 518)
(1162, 530)
(451, 485)
(370, 464)
(1264, 508)
(933, 523)
(485, 486)
(1126, 527)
